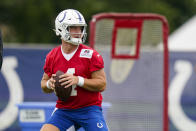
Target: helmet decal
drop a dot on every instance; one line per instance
(80, 18)
(64, 15)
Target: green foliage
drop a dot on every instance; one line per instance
(32, 21)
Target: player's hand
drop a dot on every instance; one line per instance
(68, 80)
(52, 81)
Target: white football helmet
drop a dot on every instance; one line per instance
(67, 18)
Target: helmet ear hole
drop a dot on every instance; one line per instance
(60, 30)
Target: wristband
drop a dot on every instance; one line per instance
(47, 84)
(80, 81)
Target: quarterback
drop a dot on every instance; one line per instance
(83, 69)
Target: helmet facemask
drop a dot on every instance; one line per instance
(68, 36)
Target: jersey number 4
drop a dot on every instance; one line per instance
(74, 91)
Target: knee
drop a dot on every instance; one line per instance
(49, 127)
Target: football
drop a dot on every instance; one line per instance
(61, 92)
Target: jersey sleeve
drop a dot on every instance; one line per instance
(97, 62)
(48, 64)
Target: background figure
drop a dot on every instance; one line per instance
(1, 51)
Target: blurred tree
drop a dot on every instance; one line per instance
(32, 21)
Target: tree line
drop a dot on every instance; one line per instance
(32, 21)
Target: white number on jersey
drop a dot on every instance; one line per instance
(72, 71)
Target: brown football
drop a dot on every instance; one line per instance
(61, 92)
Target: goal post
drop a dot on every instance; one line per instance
(137, 45)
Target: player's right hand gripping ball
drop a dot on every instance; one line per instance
(61, 92)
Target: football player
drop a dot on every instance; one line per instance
(83, 69)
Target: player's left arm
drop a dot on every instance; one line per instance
(97, 82)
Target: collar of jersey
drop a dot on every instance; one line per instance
(68, 56)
